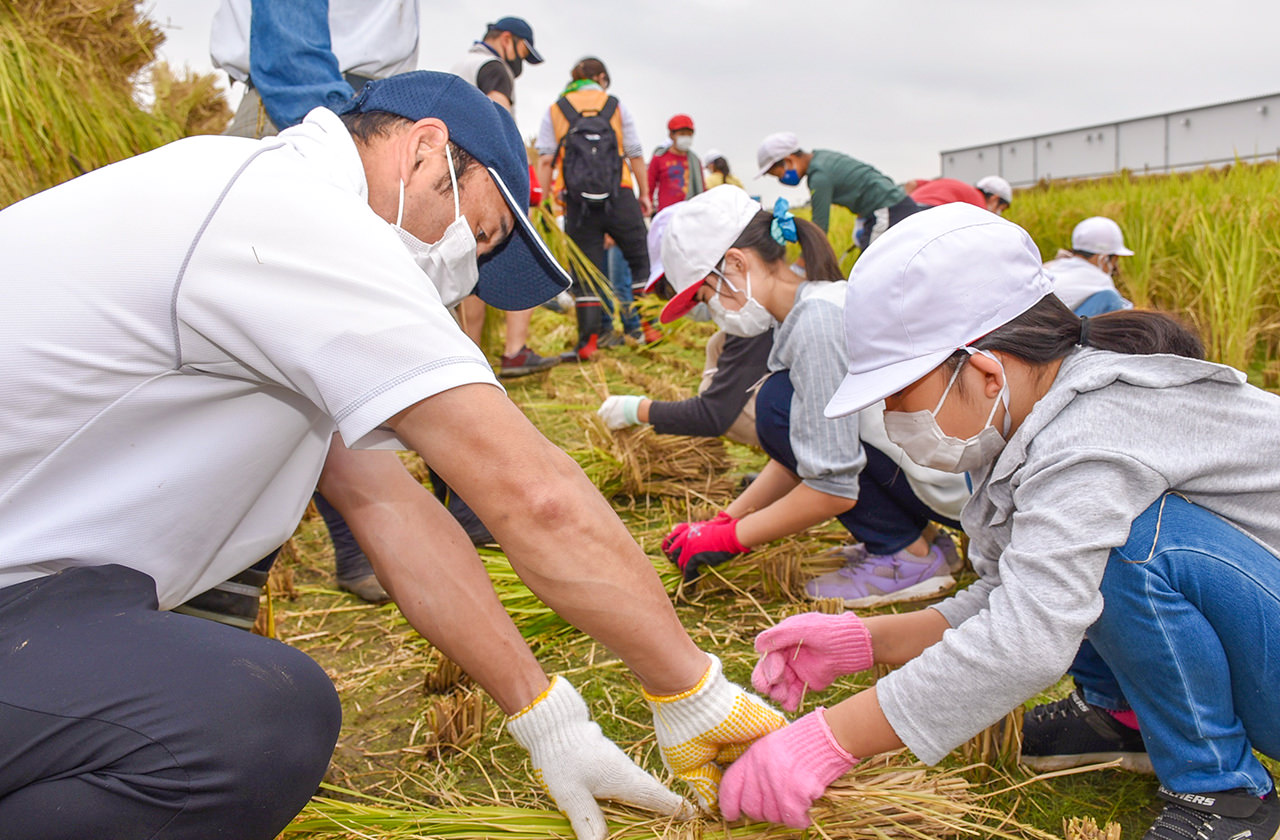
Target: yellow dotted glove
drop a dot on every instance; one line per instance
(704, 729)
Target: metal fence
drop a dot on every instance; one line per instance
(1246, 129)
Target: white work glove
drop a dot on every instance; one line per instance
(705, 729)
(576, 764)
(620, 412)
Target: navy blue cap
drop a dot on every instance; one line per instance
(520, 28)
(521, 273)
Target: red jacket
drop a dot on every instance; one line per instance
(946, 191)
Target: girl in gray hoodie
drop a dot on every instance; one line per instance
(1126, 493)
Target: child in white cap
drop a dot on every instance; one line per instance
(1083, 277)
(721, 248)
(1125, 492)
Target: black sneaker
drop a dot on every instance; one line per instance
(1072, 733)
(1229, 815)
(524, 363)
(233, 602)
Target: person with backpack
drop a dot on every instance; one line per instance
(589, 138)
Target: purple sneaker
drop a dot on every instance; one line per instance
(873, 579)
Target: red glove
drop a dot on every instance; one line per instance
(784, 772)
(691, 545)
(809, 650)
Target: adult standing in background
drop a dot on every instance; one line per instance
(493, 64)
(292, 59)
(598, 200)
(836, 178)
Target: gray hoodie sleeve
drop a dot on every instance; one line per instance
(1020, 634)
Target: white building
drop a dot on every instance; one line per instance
(1247, 129)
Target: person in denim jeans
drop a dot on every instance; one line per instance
(1126, 492)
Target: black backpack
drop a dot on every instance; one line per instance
(589, 159)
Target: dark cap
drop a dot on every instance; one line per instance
(521, 273)
(520, 28)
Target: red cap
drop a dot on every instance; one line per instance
(680, 121)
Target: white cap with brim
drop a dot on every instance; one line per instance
(701, 230)
(995, 185)
(1099, 235)
(930, 285)
(774, 148)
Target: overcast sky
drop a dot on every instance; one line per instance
(892, 82)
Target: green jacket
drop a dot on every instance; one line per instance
(839, 179)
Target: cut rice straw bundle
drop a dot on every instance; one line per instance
(640, 463)
(1084, 828)
(999, 745)
(881, 798)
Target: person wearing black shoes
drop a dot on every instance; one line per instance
(1125, 492)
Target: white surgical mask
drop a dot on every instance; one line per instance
(684, 142)
(450, 264)
(751, 320)
(920, 436)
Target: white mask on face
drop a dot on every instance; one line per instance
(684, 142)
(700, 313)
(919, 435)
(450, 264)
(751, 320)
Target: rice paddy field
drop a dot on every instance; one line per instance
(422, 752)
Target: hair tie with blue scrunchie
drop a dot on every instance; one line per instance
(783, 226)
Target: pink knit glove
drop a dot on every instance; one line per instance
(810, 650)
(784, 772)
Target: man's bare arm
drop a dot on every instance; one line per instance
(424, 559)
(562, 537)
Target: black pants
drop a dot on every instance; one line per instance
(621, 218)
(121, 722)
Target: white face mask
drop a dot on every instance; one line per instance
(919, 435)
(751, 320)
(450, 264)
(684, 142)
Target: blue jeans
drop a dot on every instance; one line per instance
(889, 516)
(620, 278)
(1189, 638)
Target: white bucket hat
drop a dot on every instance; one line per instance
(933, 283)
(698, 234)
(774, 148)
(1099, 235)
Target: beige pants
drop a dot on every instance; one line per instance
(743, 429)
(251, 118)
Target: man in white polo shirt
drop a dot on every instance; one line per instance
(192, 334)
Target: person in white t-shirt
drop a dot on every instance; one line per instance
(193, 333)
(1083, 276)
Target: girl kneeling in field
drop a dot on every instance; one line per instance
(723, 249)
(1124, 491)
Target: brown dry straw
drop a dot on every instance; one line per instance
(640, 463)
(1084, 828)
